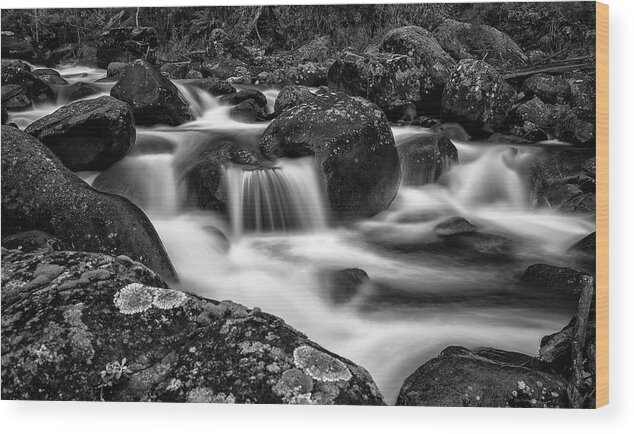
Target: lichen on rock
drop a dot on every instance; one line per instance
(134, 298)
(319, 365)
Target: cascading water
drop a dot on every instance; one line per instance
(282, 198)
(418, 302)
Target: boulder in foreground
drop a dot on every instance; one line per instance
(86, 326)
(38, 192)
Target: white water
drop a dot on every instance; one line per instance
(283, 198)
(418, 302)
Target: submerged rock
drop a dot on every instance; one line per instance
(343, 285)
(153, 98)
(586, 246)
(353, 147)
(87, 135)
(477, 41)
(38, 192)
(478, 93)
(483, 377)
(102, 327)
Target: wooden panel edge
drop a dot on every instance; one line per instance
(602, 215)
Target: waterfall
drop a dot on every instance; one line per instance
(282, 198)
(198, 100)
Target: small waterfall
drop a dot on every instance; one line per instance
(198, 100)
(493, 177)
(283, 198)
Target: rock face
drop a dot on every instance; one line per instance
(38, 192)
(353, 147)
(426, 53)
(484, 377)
(478, 93)
(77, 319)
(426, 158)
(88, 135)
(125, 44)
(203, 176)
(475, 41)
(391, 81)
(560, 278)
(153, 98)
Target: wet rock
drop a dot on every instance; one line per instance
(203, 175)
(483, 377)
(87, 135)
(114, 69)
(168, 345)
(426, 158)
(49, 76)
(343, 285)
(175, 70)
(153, 98)
(35, 89)
(435, 64)
(247, 111)
(570, 198)
(452, 130)
(561, 278)
(75, 91)
(586, 246)
(214, 86)
(30, 241)
(548, 88)
(478, 93)
(391, 81)
(235, 98)
(477, 41)
(14, 98)
(125, 44)
(454, 226)
(40, 193)
(507, 139)
(290, 96)
(224, 68)
(353, 147)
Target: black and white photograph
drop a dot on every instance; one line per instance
(364, 204)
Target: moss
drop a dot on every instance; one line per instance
(319, 365)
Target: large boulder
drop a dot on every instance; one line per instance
(39, 192)
(391, 81)
(49, 76)
(153, 98)
(476, 41)
(202, 176)
(34, 88)
(99, 327)
(353, 147)
(425, 158)
(478, 93)
(483, 377)
(87, 135)
(436, 65)
(125, 44)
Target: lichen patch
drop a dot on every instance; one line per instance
(319, 365)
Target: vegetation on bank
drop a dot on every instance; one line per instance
(559, 27)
